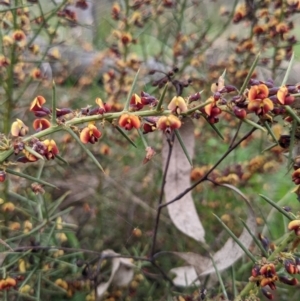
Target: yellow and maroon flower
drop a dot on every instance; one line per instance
(136, 102)
(51, 149)
(101, 109)
(168, 123)
(258, 92)
(36, 73)
(268, 270)
(19, 36)
(37, 103)
(128, 121)
(296, 176)
(116, 9)
(90, 134)
(29, 157)
(295, 225)
(284, 96)
(4, 62)
(41, 124)
(6, 284)
(126, 38)
(259, 103)
(239, 13)
(178, 105)
(211, 109)
(18, 128)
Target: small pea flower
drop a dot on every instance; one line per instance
(90, 134)
(29, 157)
(178, 105)
(4, 62)
(18, 128)
(284, 96)
(102, 108)
(19, 37)
(136, 102)
(41, 124)
(259, 103)
(37, 103)
(168, 123)
(126, 38)
(295, 225)
(296, 176)
(6, 284)
(128, 121)
(51, 150)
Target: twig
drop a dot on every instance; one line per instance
(204, 178)
(171, 143)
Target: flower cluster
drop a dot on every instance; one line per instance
(266, 276)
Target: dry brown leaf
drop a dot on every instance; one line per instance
(121, 273)
(183, 212)
(224, 258)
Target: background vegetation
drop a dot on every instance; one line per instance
(59, 218)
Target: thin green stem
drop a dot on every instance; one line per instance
(53, 117)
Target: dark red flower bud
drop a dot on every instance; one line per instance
(195, 97)
(237, 99)
(217, 96)
(290, 267)
(239, 113)
(40, 114)
(287, 208)
(229, 88)
(288, 281)
(90, 112)
(148, 99)
(292, 89)
(254, 82)
(273, 91)
(265, 241)
(2, 175)
(267, 294)
(269, 83)
(255, 271)
(62, 112)
(215, 111)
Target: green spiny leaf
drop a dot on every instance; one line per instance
(288, 70)
(219, 277)
(281, 210)
(161, 99)
(249, 75)
(183, 147)
(127, 103)
(22, 175)
(247, 252)
(125, 136)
